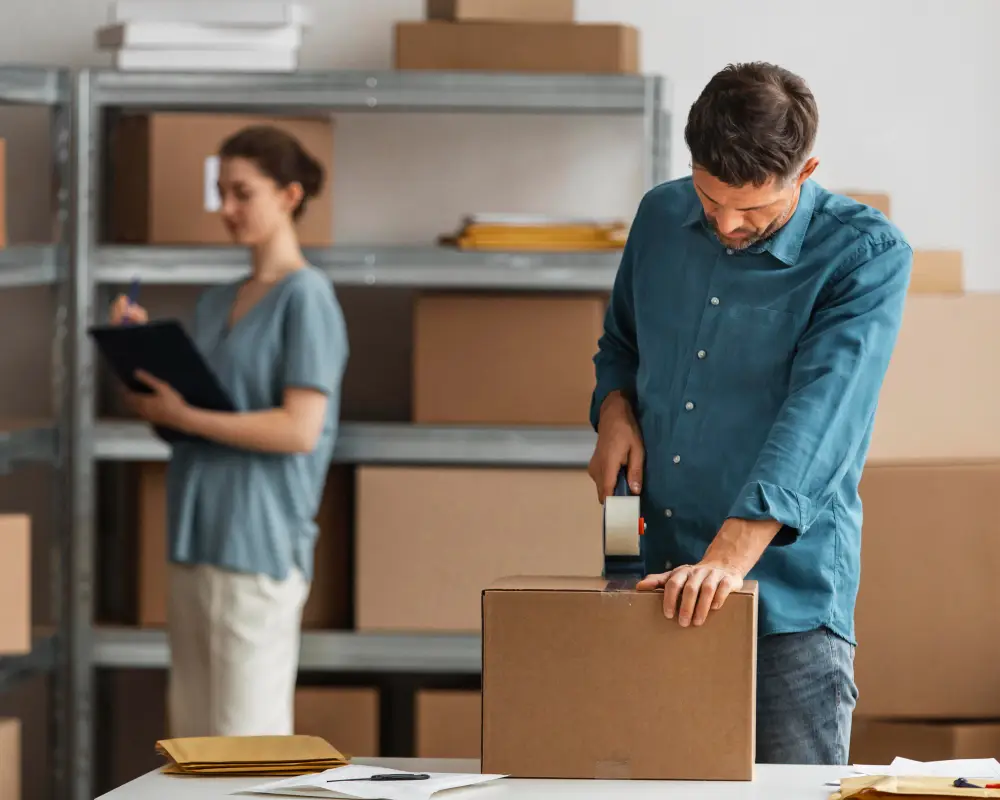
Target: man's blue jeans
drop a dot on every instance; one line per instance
(805, 698)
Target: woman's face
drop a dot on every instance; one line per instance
(254, 207)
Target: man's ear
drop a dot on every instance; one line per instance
(807, 171)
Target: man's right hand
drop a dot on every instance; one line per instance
(619, 443)
(124, 311)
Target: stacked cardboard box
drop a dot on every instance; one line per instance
(15, 584)
(925, 664)
(513, 36)
(10, 759)
(934, 271)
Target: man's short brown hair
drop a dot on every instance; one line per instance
(751, 123)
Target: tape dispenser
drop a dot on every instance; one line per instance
(623, 531)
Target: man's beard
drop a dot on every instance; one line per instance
(758, 236)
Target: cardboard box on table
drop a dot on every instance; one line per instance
(583, 681)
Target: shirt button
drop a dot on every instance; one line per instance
(689, 405)
(677, 459)
(714, 301)
(668, 566)
(702, 354)
(729, 251)
(668, 512)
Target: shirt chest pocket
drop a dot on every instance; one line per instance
(757, 344)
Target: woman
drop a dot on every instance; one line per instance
(241, 503)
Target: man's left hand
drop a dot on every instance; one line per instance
(700, 588)
(163, 406)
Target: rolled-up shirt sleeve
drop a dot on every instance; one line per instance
(837, 374)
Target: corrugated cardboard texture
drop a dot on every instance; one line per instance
(939, 396)
(3, 193)
(524, 47)
(328, 605)
(927, 607)
(15, 584)
(937, 272)
(10, 759)
(346, 717)
(448, 723)
(879, 741)
(158, 183)
(501, 10)
(585, 683)
(874, 199)
(429, 539)
(505, 359)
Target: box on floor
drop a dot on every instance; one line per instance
(10, 759)
(15, 584)
(544, 47)
(328, 605)
(880, 741)
(445, 533)
(164, 170)
(346, 717)
(448, 723)
(584, 681)
(929, 592)
(938, 400)
(501, 10)
(505, 359)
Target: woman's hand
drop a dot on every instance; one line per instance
(164, 406)
(125, 311)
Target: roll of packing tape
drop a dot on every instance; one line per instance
(621, 526)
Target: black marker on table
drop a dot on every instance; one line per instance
(386, 776)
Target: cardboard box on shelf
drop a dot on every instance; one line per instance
(10, 759)
(448, 723)
(328, 605)
(15, 584)
(579, 680)
(445, 533)
(929, 592)
(937, 272)
(876, 200)
(347, 717)
(517, 47)
(938, 399)
(164, 169)
(880, 741)
(501, 10)
(505, 359)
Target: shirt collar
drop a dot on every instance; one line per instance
(786, 244)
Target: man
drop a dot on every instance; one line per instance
(749, 331)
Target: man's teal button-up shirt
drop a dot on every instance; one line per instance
(755, 376)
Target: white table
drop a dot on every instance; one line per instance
(771, 783)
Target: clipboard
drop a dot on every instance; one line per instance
(164, 350)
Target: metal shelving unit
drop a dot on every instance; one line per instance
(25, 442)
(97, 267)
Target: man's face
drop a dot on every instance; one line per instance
(744, 215)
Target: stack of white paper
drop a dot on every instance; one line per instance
(204, 35)
(353, 781)
(955, 768)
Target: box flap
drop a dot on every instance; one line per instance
(547, 583)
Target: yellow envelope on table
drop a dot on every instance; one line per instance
(873, 786)
(249, 755)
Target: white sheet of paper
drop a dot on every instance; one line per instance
(325, 784)
(956, 768)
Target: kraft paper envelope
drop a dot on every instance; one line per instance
(231, 755)
(873, 786)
